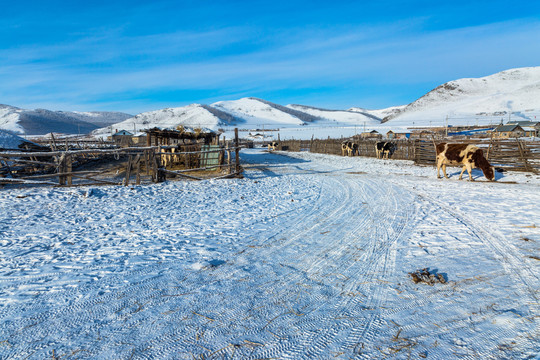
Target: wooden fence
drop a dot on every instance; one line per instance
(514, 154)
(120, 166)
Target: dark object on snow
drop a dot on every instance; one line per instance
(426, 277)
(499, 170)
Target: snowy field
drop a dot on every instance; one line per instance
(306, 257)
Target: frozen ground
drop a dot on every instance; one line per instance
(306, 257)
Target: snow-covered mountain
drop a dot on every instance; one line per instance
(250, 113)
(258, 111)
(193, 116)
(42, 121)
(340, 116)
(512, 93)
(379, 113)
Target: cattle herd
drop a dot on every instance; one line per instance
(383, 149)
(466, 155)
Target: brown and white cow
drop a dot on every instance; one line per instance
(466, 155)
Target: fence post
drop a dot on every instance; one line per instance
(61, 169)
(138, 178)
(237, 151)
(522, 156)
(69, 168)
(128, 170)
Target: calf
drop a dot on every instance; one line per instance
(468, 156)
(385, 149)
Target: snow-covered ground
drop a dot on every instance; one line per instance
(306, 257)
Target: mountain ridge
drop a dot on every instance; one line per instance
(490, 99)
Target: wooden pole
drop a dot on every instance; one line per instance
(237, 150)
(128, 170)
(69, 166)
(138, 179)
(147, 161)
(53, 145)
(61, 169)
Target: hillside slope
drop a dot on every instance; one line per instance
(339, 116)
(194, 115)
(514, 93)
(258, 111)
(42, 121)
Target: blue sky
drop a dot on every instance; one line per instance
(136, 56)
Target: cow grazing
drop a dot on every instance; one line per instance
(385, 149)
(349, 147)
(466, 155)
(272, 145)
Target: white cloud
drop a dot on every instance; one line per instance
(234, 60)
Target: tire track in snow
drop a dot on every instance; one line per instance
(492, 340)
(311, 286)
(315, 268)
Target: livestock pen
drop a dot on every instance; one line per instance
(121, 166)
(510, 154)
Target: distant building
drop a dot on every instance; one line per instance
(508, 131)
(535, 124)
(531, 128)
(122, 138)
(530, 131)
(373, 134)
(398, 135)
(139, 138)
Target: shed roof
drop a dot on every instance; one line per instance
(524, 123)
(123, 133)
(508, 128)
(176, 134)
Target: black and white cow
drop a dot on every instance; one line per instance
(349, 147)
(272, 145)
(385, 149)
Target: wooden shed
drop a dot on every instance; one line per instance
(157, 137)
(397, 135)
(373, 134)
(122, 137)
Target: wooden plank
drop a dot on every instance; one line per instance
(180, 174)
(44, 176)
(106, 182)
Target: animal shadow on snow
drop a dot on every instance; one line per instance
(477, 174)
